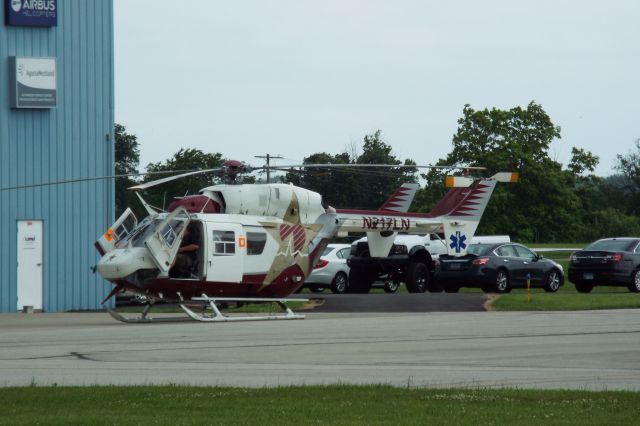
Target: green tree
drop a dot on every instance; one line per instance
(362, 187)
(182, 161)
(332, 184)
(544, 205)
(503, 140)
(582, 161)
(375, 185)
(127, 156)
(629, 166)
(609, 222)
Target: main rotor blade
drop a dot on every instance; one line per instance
(85, 179)
(170, 178)
(405, 166)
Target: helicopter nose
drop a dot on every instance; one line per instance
(120, 263)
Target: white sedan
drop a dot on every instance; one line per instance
(331, 271)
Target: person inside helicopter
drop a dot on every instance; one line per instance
(186, 260)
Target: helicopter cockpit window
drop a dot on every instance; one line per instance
(123, 230)
(169, 232)
(256, 242)
(224, 243)
(172, 229)
(143, 231)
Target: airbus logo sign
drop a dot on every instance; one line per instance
(35, 13)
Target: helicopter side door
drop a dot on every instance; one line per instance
(164, 242)
(226, 243)
(118, 232)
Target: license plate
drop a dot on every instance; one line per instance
(587, 275)
(454, 266)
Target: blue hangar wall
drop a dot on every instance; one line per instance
(74, 140)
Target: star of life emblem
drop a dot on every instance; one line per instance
(458, 241)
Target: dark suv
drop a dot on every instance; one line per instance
(608, 262)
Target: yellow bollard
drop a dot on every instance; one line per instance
(528, 288)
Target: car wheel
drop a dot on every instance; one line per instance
(339, 283)
(584, 287)
(391, 286)
(360, 280)
(452, 289)
(502, 282)
(553, 281)
(635, 281)
(316, 288)
(417, 278)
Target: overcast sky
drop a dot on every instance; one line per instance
(293, 78)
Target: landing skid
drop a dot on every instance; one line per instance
(143, 318)
(216, 315)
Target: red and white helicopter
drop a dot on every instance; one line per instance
(258, 242)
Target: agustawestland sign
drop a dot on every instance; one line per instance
(32, 13)
(33, 82)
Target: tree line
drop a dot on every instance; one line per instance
(551, 203)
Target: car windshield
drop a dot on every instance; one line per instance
(479, 249)
(611, 245)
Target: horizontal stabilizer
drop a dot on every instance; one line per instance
(509, 177)
(458, 181)
(465, 182)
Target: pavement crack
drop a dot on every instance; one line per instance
(82, 356)
(76, 355)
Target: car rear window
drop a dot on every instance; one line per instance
(327, 251)
(507, 251)
(612, 245)
(479, 249)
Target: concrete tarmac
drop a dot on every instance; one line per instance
(399, 302)
(596, 350)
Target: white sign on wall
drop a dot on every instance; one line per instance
(33, 82)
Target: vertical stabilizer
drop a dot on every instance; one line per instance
(380, 243)
(401, 200)
(461, 222)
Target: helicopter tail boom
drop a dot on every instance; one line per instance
(457, 214)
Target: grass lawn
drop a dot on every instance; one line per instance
(566, 300)
(345, 405)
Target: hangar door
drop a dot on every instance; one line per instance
(30, 264)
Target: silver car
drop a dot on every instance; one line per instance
(331, 271)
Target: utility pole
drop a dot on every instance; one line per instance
(268, 158)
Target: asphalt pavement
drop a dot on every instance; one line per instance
(398, 302)
(595, 350)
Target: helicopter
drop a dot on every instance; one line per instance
(256, 243)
